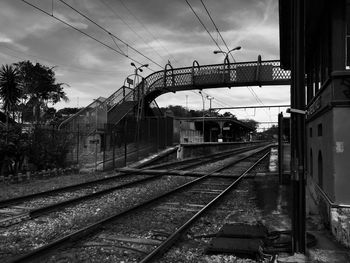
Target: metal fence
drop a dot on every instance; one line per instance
(117, 145)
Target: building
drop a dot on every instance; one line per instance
(216, 129)
(326, 54)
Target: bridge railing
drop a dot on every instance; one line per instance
(233, 74)
(244, 73)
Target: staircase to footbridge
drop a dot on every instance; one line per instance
(112, 110)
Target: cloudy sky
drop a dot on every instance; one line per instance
(160, 30)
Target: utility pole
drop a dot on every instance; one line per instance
(298, 127)
(186, 102)
(203, 112)
(210, 99)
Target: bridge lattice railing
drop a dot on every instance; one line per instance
(197, 76)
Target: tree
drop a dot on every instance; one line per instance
(228, 115)
(10, 91)
(252, 123)
(39, 87)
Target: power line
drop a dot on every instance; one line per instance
(258, 100)
(217, 29)
(77, 69)
(223, 40)
(111, 34)
(82, 32)
(137, 34)
(148, 31)
(194, 12)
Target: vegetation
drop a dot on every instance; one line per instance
(180, 111)
(10, 91)
(29, 136)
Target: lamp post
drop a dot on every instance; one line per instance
(210, 98)
(138, 68)
(203, 112)
(139, 104)
(226, 61)
(227, 53)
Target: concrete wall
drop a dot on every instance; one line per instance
(321, 145)
(341, 153)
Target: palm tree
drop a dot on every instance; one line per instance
(10, 91)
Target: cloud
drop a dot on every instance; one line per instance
(159, 29)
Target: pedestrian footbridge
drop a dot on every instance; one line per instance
(113, 109)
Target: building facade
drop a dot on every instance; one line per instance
(327, 120)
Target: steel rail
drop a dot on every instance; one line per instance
(42, 210)
(178, 233)
(211, 157)
(97, 225)
(36, 212)
(19, 199)
(15, 200)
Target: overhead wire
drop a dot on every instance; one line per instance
(194, 12)
(111, 34)
(223, 40)
(77, 69)
(148, 31)
(217, 29)
(134, 31)
(84, 33)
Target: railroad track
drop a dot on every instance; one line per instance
(200, 194)
(26, 207)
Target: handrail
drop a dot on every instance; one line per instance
(195, 63)
(165, 74)
(186, 76)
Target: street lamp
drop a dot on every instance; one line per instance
(139, 104)
(203, 112)
(227, 61)
(210, 98)
(138, 68)
(227, 53)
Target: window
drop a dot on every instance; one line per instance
(319, 129)
(310, 131)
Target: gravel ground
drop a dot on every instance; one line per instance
(39, 185)
(253, 202)
(106, 247)
(29, 235)
(60, 197)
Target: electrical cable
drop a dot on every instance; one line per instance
(82, 32)
(137, 34)
(148, 31)
(223, 40)
(111, 34)
(76, 69)
(217, 29)
(194, 12)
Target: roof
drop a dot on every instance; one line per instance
(225, 119)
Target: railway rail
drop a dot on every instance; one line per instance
(22, 208)
(210, 189)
